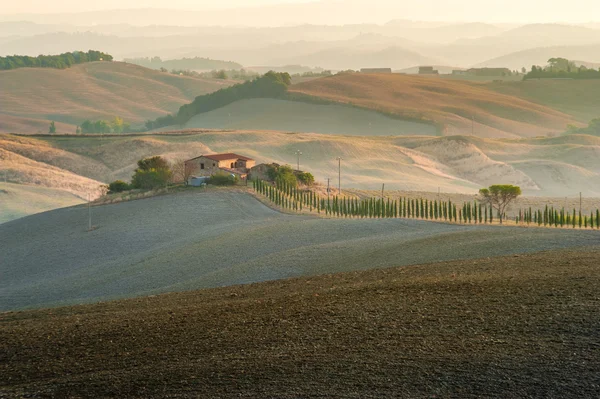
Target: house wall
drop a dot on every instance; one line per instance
(195, 166)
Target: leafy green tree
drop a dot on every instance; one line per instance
(52, 128)
(151, 173)
(306, 178)
(500, 196)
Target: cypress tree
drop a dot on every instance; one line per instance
(491, 214)
(580, 221)
(597, 219)
(574, 219)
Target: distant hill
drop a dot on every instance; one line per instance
(457, 107)
(97, 90)
(192, 64)
(541, 55)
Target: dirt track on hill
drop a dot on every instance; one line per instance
(518, 326)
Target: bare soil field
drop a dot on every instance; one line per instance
(510, 327)
(32, 97)
(201, 239)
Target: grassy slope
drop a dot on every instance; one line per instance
(578, 98)
(293, 116)
(555, 167)
(522, 326)
(450, 103)
(198, 239)
(18, 200)
(33, 96)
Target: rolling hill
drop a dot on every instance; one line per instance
(499, 327)
(543, 167)
(540, 55)
(31, 97)
(449, 104)
(202, 239)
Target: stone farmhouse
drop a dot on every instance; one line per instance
(208, 165)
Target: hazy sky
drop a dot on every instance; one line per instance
(357, 10)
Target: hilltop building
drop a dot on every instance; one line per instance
(427, 70)
(208, 165)
(376, 70)
(489, 71)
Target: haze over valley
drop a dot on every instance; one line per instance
(296, 198)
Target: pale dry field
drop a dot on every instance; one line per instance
(32, 97)
(557, 168)
(451, 104)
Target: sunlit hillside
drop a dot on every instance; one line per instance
(458, 107)
(32, 97)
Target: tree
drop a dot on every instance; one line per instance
(52, 128)
(500, 196)
(151, 173)
(306, 178)
(181, 172)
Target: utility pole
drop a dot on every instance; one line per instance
(382, 187)
(89, 214)
(339, 159)
(298, 153)
(580, 202)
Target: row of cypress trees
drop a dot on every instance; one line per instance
(290, 197)
(558, 218)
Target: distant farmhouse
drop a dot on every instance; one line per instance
(427, 70)
(489, 72)
(459, 72)
(208, 165)
(376, 70)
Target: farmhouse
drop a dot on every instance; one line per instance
(489, 71)
(376, 70)
(208, 165)
(427, 70)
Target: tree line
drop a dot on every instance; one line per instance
(270, 85)
(290, 197)
(561, 68)
(60, 61)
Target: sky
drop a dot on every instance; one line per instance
(355, 11)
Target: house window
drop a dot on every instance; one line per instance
(201, 166)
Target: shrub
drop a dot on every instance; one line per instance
(151, 173)
(117, 186)
(223, 179)
(306, 178)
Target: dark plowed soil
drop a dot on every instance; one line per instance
(519, 326)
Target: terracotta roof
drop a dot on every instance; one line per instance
(224, 157)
